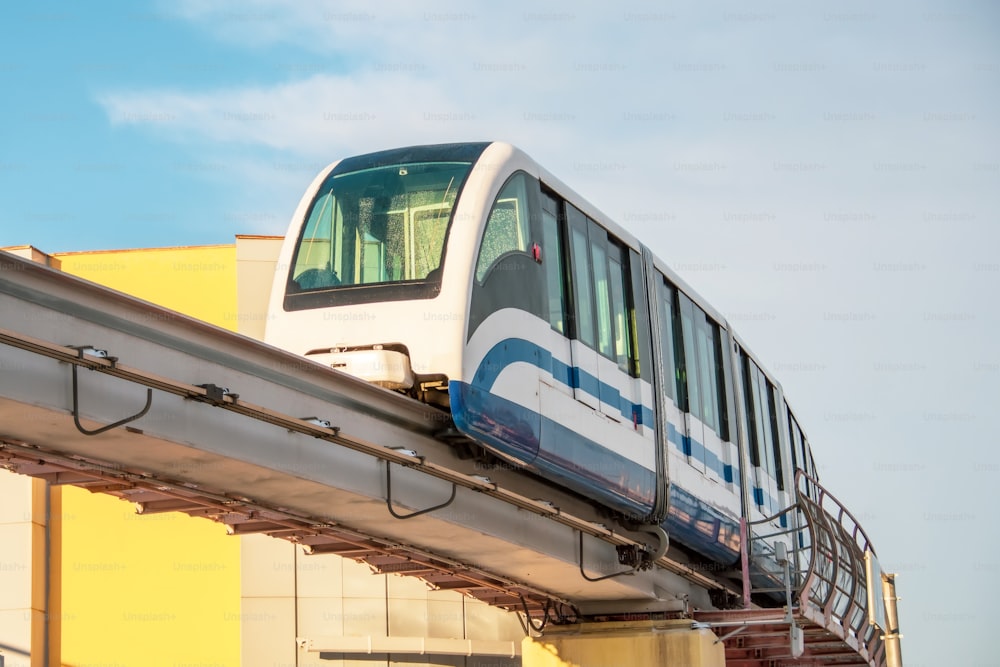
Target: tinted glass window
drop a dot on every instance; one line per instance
(690, 368)
(763, 421)
(796, 440)
(508, 226)
(552, 261)
(602, 295)
(700, 361)
(667, 338)
(779, 470)
(582, 277)
(638, 305)
(705, 344)
(620, 313)
(379, 225)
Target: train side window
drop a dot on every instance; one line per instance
(508, 225)
(766, 440)
(667, 338)
(708, 375)
(679, 361)
(762, 424)
(702, 353)
(614, 319)
(796, 436)
(552, 262)
(583, 299)
(779, 468)
(799, 447)
(601, 277)
(638, 304)
(621, 317)
(602, 293)
(690, 356)
(750, 395)
(722, 400)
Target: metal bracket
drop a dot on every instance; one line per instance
(388, 497)
(632, 555)
(76, 399)
(215, 394)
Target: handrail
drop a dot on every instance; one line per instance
(828, 571)
(800, 476)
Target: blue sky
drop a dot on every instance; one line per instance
(826, 174)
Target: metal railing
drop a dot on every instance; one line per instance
(818, 560)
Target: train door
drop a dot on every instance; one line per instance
(761, 438)
(674, 388)
(694, 428)
(784, 472)
(558, 376)
(769, 479)
(585, 380)
(619, 391)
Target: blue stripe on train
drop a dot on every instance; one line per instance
(514, 350)
(547, 447)
(691, 447)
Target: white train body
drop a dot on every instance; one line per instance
(470, 276)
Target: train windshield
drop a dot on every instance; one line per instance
(382, 225)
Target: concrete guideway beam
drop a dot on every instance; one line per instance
(199, 437)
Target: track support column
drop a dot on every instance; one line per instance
(624, 644)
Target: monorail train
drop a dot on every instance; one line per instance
(471, 277)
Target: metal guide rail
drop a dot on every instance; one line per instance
(165, 452)
(840, 607)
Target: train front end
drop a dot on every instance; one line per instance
(373, 275)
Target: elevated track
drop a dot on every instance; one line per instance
(120, 396)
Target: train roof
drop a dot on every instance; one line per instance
(460, 152)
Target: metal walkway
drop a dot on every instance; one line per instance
(110, 393)
(840, 608)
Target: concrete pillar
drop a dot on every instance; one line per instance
(29, 571)
(624, 644)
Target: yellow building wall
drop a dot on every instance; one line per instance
(161, 589)
(636, 644)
